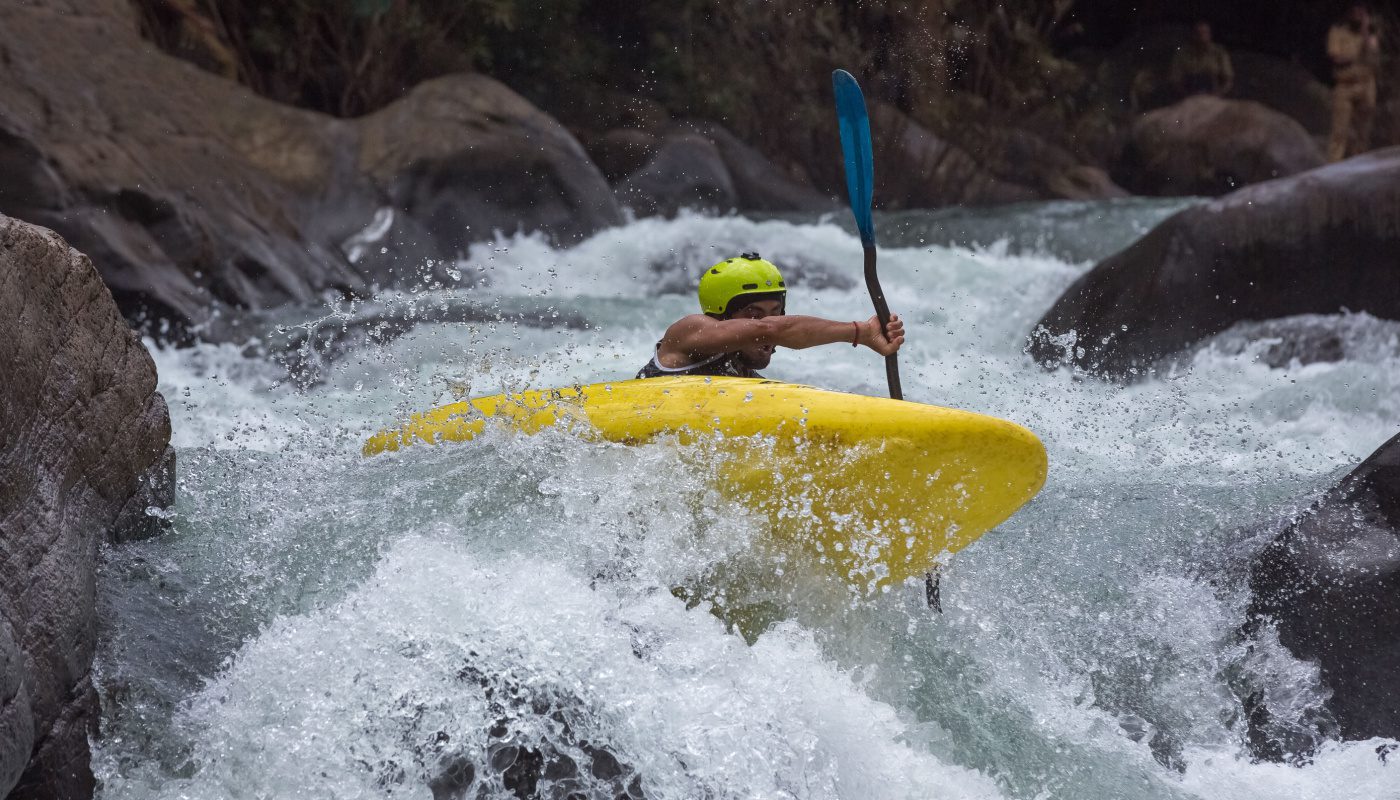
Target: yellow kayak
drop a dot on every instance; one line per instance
(882, 490)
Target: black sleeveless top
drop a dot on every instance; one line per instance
(729, 365)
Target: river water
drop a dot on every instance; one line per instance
(448, 622)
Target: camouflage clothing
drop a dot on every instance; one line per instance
(1202, 68)
(1355, 57)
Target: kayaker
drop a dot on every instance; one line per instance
(745, 318)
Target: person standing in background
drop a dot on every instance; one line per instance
(1354, 47)
(1201, 66)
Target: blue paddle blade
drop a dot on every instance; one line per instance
(855, 146)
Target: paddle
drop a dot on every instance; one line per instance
(860, 189)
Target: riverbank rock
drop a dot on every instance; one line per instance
(83, 427)
(1285, 86)
(919, 169)
(1018, 156)
(1321, 242)
(191, 193)
(1135, 76)
(686, 171)
(1207, 145)
(1330, 584)
(997, 164)
(701, 165)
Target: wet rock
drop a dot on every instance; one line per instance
(307, 348)
(622, 151)
(918, 169)
(1285, 86)
(1134, 76)
(759, 184)
(16, 712)
(1329, 583)
(1312, 339)
(83, 424)
(141, 517)
(701, 165)
(192, 194)
(687, 171)
(467, 157)
(535, 749)
(1018, 156)
(1206, 145)
(1315, 243)
(994, 165)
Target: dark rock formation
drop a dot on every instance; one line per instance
(519, 761)
(1134, 76)
(1312, 339)
(190, 192)
(918, 169)
(1019, 156)
(1330, 583)
(82, 424)
(700, 165)
(1206, 145)
(687, 171)
(1318, 243)
(1285, 86)
(622, 151)
(758, 183)
(466, 156)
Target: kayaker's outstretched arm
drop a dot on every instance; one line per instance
(700, 335)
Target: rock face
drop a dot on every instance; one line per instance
(918, 169)
(700, 165)
(83, 426)
(1207, 145)
(1330, 582)
(1284, 86)
(1318, 243)
(687, 171)
(1135, 74)
(190, 192)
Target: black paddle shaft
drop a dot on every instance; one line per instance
(882, 310)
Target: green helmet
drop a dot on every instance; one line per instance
(734, 277)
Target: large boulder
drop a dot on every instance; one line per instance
(994, 164)
(190, 192)
(1205, 145)
(468, 157)
(687, 171)
(1285, 86)
(759, 184)
(1019, 156)
(919, 169)
(1134, 75)
(700, 165)
(1330, 585)
(1316, 243)
(82, 433)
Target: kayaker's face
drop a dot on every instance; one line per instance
(758, 356)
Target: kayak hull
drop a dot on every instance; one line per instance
(882, 490)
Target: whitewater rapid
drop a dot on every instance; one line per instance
(322, 625)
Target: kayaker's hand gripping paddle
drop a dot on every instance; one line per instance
(860, 187)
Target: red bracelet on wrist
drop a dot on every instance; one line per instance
(855, 337)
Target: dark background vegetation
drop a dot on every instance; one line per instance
(756, 67)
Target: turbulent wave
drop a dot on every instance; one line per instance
(545, 615)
